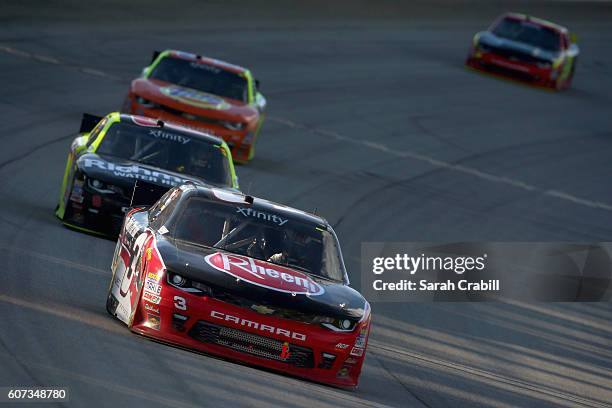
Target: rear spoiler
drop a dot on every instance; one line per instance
(155, 55)
(88, 122)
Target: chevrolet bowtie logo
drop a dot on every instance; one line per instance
(262, 309)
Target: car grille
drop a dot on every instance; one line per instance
(513, 54)
(271, 310)
(246, 342)
(522, 76)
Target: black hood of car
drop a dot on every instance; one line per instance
(524, 51)
(123, 173)
(334, 299)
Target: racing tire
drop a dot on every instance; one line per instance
(135, 308)
(111, 306)
(570, 77)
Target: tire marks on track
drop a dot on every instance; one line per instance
(441, 164)
(32, 150)
(56, 260)
(514, 384)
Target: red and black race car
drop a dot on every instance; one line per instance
(203, 93)
(528, 49)
(240, 277)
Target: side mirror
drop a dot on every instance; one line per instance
(573, 38)
(260, 102)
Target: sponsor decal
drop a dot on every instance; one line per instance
(360, 342)
(285, 353)
(357, 352)
(131, 227)
(153, 275)
(135, 172)
(361, 339)
(343, 372)
(76, 195)
(195, 98)
(151, 297)
(151, 286)
(257, 326)
(151, 308)
(249, 212)
(206, 67)
(350, 360)
(262, 309)
(264, 274)
(341, 346)
(153, 321)
(173, 137)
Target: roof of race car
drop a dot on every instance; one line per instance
(149, 122)
(206, 60)
(257, 204)
(535, 20)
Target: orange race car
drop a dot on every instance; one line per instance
(202, 93)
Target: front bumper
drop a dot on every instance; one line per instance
(522, 71)
(96, 213)
(212, 326)
(239, 141)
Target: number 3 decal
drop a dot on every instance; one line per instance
(180, 303)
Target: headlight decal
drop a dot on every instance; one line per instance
(99, 186)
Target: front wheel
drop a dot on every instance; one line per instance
(570, 77)
(111, 304)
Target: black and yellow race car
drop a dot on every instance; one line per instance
(123, 160)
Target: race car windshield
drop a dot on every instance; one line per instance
(167, 149)
(201, 77)
(261, 235)
(528, 32)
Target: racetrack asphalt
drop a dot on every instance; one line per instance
(375, 123)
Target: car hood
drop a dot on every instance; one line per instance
(254, 279)
(487, 38)
(193, 101)
(124, 173)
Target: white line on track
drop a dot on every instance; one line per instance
(52, 60)
(55, 260)
(131, 390)
(44, 58)
(447, 165)
(100, 321)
